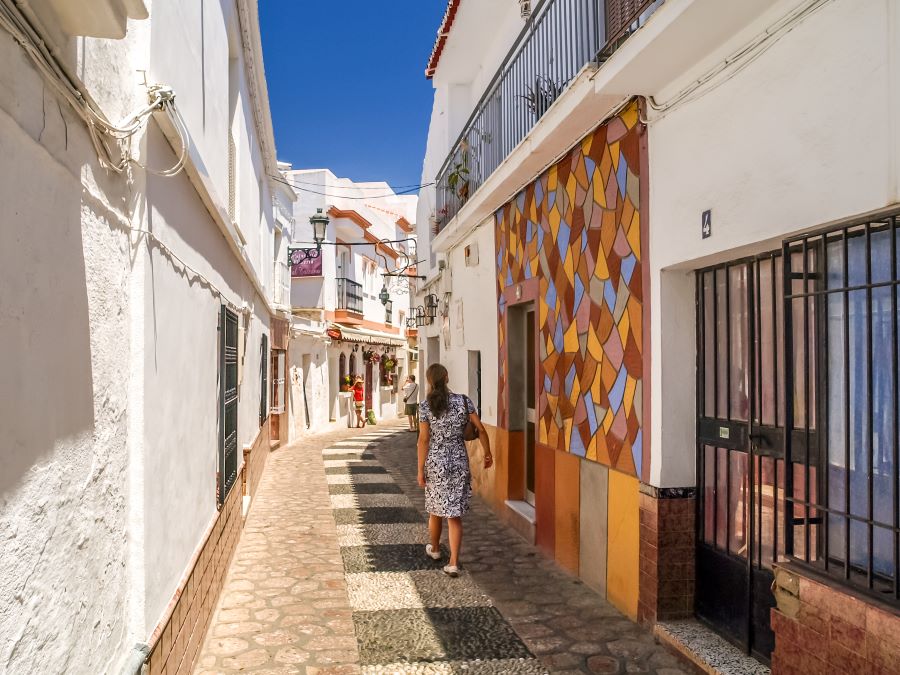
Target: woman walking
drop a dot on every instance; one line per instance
(444, 463)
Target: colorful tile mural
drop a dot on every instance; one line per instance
(577, 229)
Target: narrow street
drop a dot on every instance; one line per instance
(330, 577)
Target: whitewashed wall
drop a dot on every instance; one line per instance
(110, 347)
(804, 135)
(64, 256)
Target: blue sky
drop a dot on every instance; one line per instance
(347, 86)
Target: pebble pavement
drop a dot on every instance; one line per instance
(330, 578)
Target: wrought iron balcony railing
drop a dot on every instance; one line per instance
(560, 38)
(349, 295)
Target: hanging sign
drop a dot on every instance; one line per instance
(334, 333)
(301, 266)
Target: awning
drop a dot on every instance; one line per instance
(373, 337)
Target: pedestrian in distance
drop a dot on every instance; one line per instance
(446, 421)
(359, 401)
(410, 391)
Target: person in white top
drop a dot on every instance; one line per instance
(410, 390)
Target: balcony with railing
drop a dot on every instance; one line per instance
(349, 296)
(560, 39)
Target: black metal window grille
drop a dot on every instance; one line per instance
(228, 402)
(263, 379)
(841, 291)
(799, 407)
(349, 295)
(389, 313)
(342, 368)
(352, 368)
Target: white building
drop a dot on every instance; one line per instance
(342, 327)
(624, 176)
(135, 312)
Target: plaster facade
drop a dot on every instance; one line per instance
(747, 111)
(110, 306)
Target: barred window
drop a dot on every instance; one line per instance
(841, 289)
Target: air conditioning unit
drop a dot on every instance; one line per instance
(471, 255)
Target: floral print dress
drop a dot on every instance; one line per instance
(448, 478)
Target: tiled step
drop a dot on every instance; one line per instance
(709, 652)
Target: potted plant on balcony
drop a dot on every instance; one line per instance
(539, 97)
(437, 219)
(458, 178)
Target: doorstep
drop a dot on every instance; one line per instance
(711, 653)
(522, 519)
(273, 445)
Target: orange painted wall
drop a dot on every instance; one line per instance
(568, 507)
(545, 499)
(623, 543)
(488, 483)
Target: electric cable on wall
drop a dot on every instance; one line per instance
(101, 131)
(737, 61)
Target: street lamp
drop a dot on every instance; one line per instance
(424, 316)
(319, 222)
(384, 296)
(431, 305)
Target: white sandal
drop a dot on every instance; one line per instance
(431, 553)
(451, 570)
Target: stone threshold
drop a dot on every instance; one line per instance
(708, 651)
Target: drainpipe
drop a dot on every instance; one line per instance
(138, 656)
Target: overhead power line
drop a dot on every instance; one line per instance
(328, 194)
(363, 187)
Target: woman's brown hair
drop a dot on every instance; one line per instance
(438, 394)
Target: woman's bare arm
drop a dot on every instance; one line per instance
(483, 437)
(424, 436)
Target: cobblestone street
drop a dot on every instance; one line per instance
(330, 576)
